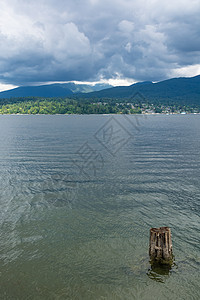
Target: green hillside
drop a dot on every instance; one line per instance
(52, 90)
(182, 90)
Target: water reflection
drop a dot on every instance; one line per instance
(160, 272)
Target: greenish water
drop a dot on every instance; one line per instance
(78, 195)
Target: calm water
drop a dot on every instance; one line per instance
(78, 195)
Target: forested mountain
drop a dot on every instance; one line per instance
(183, 90)
(52, 90)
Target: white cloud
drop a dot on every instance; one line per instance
(188, 71)
(5, 87)
(126, 26)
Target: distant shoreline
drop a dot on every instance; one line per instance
(145, 114)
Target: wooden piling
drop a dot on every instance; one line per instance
(160, 246)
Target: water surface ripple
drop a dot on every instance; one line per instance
(77, 203)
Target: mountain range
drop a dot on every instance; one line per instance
(53, 90)
(183, 90)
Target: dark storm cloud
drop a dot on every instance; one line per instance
(48, 40)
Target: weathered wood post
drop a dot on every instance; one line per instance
(160, 246)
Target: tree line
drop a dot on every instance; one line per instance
(62, 106)
(34, 105)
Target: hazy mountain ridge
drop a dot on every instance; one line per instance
(53, 90)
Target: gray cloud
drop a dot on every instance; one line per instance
(48, 40)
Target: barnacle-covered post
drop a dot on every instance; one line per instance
(160, 246)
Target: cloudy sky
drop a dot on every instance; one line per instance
(92, 40)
